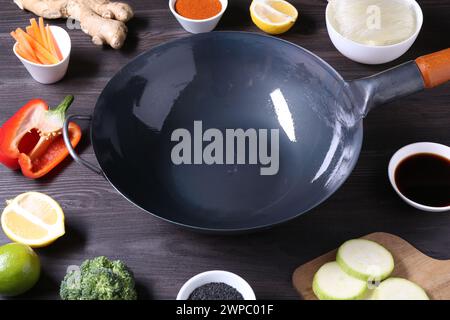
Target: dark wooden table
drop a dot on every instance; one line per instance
(163, 256)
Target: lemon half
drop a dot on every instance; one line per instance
(273, 16)
(34, 219)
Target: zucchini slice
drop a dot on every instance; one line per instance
(399, 289)
(332, 283)
(365, 260)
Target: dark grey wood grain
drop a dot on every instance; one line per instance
(101, 222)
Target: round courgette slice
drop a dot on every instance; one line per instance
(399, 289)
(365, 260)
(332, 283)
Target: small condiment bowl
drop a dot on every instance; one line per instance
(51, 73)
(371, 54)
(226, 277)
(198, 26)
(407, 151)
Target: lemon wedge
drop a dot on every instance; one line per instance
(34, 219)
(273, 16)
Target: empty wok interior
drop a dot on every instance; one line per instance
(226, 80)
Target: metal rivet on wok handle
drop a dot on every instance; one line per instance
(435, 68)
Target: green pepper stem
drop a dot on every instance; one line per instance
(64, 105)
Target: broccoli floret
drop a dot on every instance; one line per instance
(99, 279)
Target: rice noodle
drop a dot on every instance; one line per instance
(373, 22)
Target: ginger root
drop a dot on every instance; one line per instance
(103, 20)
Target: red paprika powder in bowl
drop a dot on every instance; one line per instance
(198, 16)
(198, 9)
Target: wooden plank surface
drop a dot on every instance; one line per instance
(431, 274)
(101, 222)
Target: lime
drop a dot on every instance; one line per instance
(19, 269)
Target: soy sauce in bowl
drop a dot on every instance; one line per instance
(425, 179)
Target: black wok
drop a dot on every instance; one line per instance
(235, 80)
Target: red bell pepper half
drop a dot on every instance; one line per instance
(31, 140)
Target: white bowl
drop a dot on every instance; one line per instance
(198, 26)
(52, 73)
(409, 150)
(226, 277)
(369, 54)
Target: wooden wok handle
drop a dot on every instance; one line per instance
(435, 68)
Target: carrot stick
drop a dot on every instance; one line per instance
(29, 30)
(50, 43)
(14, 35)
(24, 44)
(36, 31)
(43, 33)
(54, 44)
(25, 47)
(24, 55)
(52, 48)
(37, 47)
(42, 58)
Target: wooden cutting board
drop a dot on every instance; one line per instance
(431, 274)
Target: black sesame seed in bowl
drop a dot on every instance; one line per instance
(215, 291)
(216, 285)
